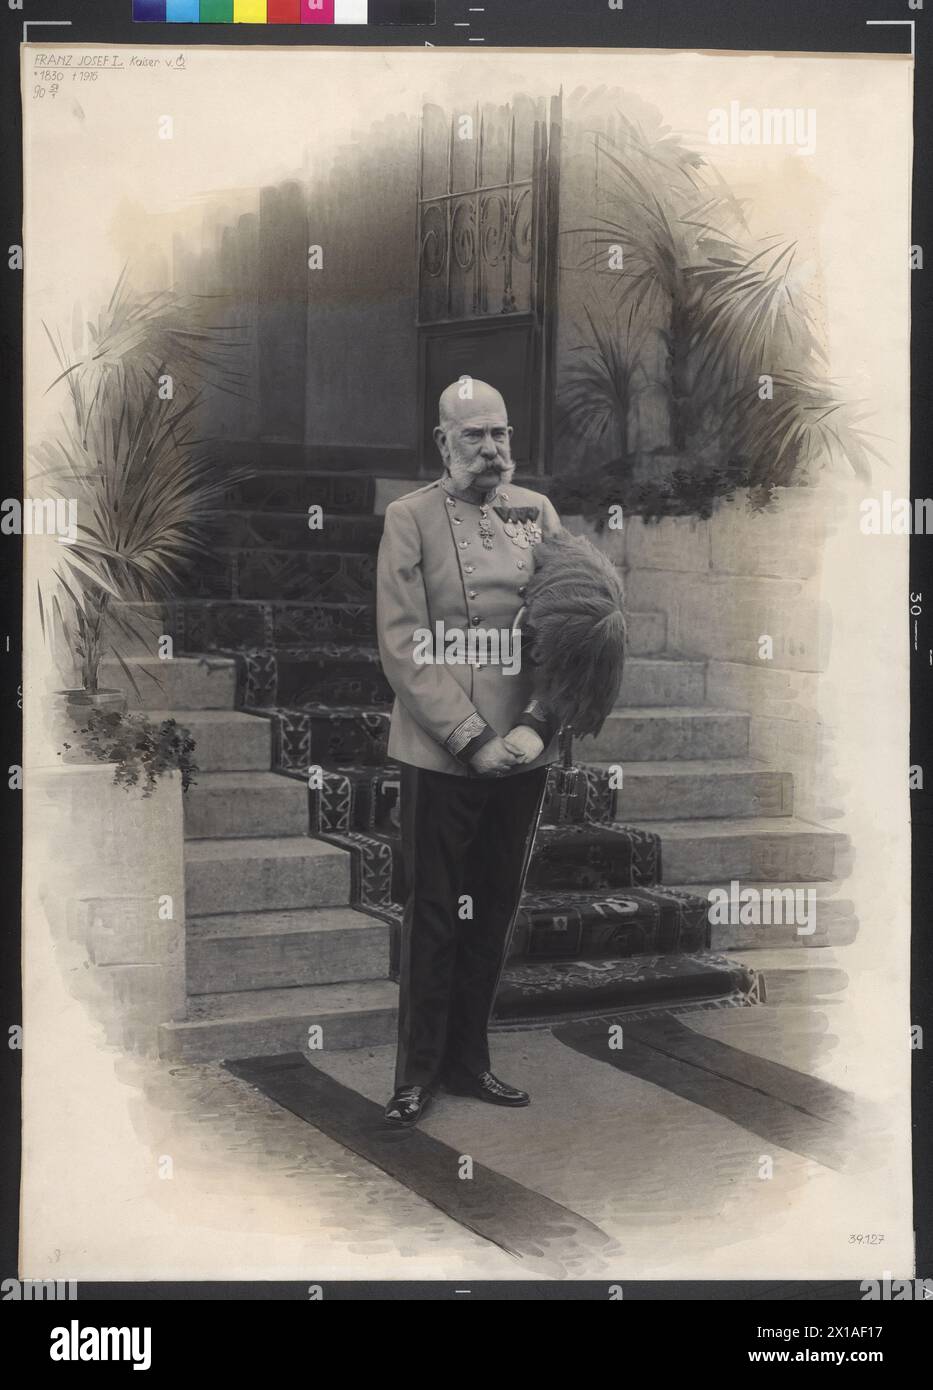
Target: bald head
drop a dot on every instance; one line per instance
(467, 398)
(474, 436)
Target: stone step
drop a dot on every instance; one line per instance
(263, 1022)
(650, 682)
(183, 683)
(319, 574)
(266, 950)
(813, 979)
(359, 734)
(338, 673)
(345, 673)
(773, 850)
(224, 805)
(314, 573)
(207, 625)
(342, 462)
(651, 735)
(547, 990)
(225, 740)
(289, 530)
(694, 789)
(329, 735)
(338, 460)
(203, 624)
(833, 919)
(278, 489)
(264, 875)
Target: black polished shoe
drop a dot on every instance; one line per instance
(487, 1087)
(408, 1105)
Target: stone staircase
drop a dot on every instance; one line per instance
(281, 672)
(272, 943)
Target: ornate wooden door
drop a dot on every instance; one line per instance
(487, 230)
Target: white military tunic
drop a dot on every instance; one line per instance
(435, 568)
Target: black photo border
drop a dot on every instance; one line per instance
(818, 26)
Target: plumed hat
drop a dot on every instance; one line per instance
(575, 624)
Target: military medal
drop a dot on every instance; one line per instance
(520, 525)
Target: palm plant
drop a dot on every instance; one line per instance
(656, 255)
(664, 231)
(137, 337)
(805, 421)
(727, 311)
(596, 387)
(145, 485)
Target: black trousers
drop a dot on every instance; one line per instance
(466, 843)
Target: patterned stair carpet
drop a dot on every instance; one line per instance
(295, 608)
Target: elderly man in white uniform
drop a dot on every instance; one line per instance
(473, 742)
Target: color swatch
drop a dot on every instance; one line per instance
(317, 11)
(284, 11)
(249, 11)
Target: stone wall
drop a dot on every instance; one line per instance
(107, 866)
(725, 583)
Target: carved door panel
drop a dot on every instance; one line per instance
(487, 226)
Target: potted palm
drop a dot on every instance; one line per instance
(127, 452)
(724, 310)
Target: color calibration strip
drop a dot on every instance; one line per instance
(284, 11)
